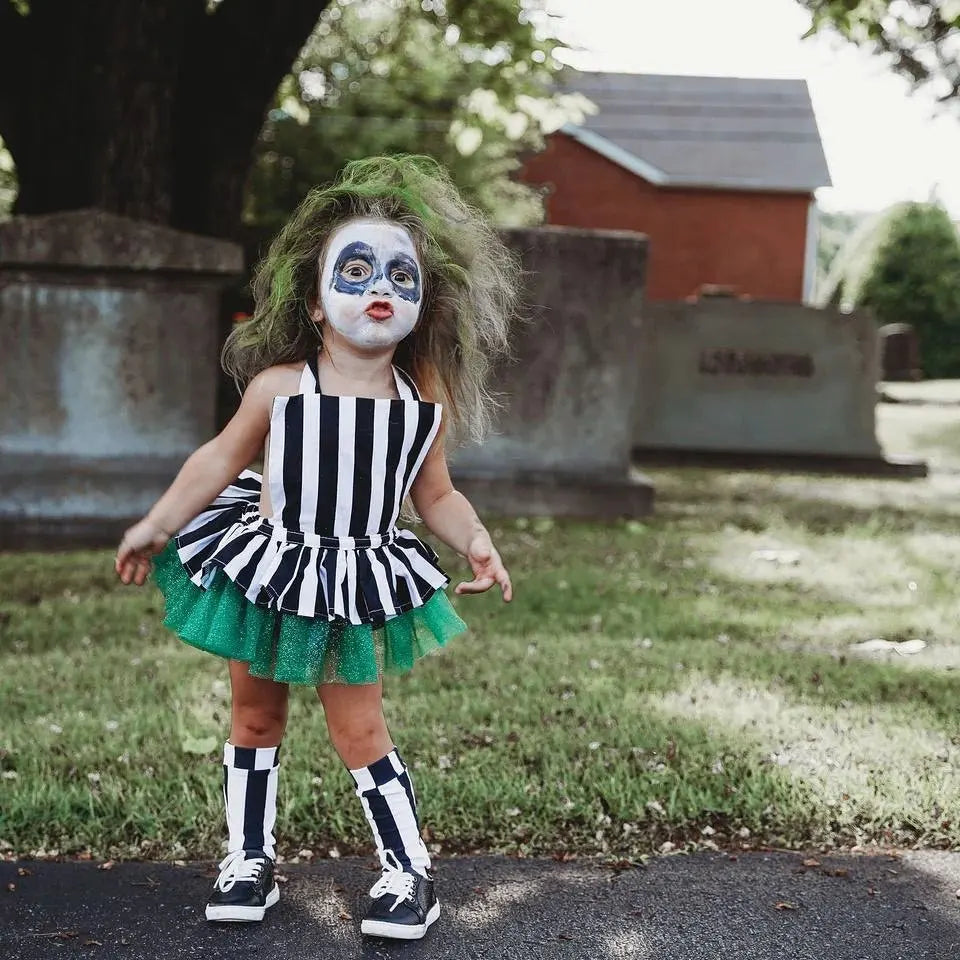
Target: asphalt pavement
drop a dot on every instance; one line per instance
(705, 906)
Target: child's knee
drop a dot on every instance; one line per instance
(255, 726)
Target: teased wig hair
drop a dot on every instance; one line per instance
(469, 285)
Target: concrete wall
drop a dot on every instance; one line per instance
(563, 441)
(755, 242)
(109, 342)
(726, 375)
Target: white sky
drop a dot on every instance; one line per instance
(882, 144)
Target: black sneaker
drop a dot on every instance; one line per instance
(404, 904)
(245, 889)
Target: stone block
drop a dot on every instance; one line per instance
(109, 355)
(562, 442)
(724, 378)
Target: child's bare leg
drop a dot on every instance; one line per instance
(258, 716)
(359, 734)
(250, 759)
(245, 888)
(358, 730)
(404, 903)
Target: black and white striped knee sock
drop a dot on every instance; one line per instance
(385, 790)
(250, 796)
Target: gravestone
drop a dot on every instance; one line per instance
(755, 383)
(109, 360)
(562, 443)
(900, 352)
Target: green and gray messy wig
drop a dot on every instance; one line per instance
(470, 283)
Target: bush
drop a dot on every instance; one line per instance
(915, 278)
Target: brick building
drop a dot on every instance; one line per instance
(719, 173)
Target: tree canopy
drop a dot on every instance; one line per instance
(920, 37)
(383, 78)
(915, 278)
(153, 108)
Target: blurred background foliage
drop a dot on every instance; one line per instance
(904, 265)
(920, 38)
(471, 84)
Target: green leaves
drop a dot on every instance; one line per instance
(466, 82)
(921, 38)
(915, 279)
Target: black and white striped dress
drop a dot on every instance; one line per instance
(338, 471)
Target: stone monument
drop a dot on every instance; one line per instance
(108, 367)
(768, 384)
(562, 446)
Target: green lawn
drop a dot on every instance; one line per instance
(670, 680)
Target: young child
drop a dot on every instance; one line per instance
(379, 307)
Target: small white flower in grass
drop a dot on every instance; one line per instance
(55, 728)
(136, 661)
(654, 806)
(111, 725)
(717, 766)
(85, 641)
(513, 812)
(318, 781)
(10, 775)
(93, 777)
(912, 586)
(333, 853)
(646, 643)
(444, 762)
(531, 649)
(723, 638)
(744, 833)
(594, 745)
(595, 664)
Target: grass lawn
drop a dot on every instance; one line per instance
(688, 679)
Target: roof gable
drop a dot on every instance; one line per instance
(722, 132)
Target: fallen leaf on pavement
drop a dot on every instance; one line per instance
(108, 865)
(811, 862)
(785, 905)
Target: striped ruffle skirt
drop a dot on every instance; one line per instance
(298, 608)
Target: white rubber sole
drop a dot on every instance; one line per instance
(228, 914)
(396, 931)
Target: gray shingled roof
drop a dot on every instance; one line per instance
(704, 131)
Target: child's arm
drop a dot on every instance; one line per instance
(449, 516)
(204, 475)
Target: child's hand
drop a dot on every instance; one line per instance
(136, 548)
(488, 569)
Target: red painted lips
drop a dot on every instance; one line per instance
(379, 310)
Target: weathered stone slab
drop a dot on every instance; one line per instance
(563, 441)
(108, 354)
(751, 379)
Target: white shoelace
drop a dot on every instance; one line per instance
(394, 881)
(235, 868)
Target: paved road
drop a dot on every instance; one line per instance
(700, 907)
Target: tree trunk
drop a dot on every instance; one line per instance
(146, 108)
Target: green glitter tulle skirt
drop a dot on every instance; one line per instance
(292, 649)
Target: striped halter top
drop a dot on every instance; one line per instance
(338, 471)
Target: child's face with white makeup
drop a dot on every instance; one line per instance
(370, 285)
